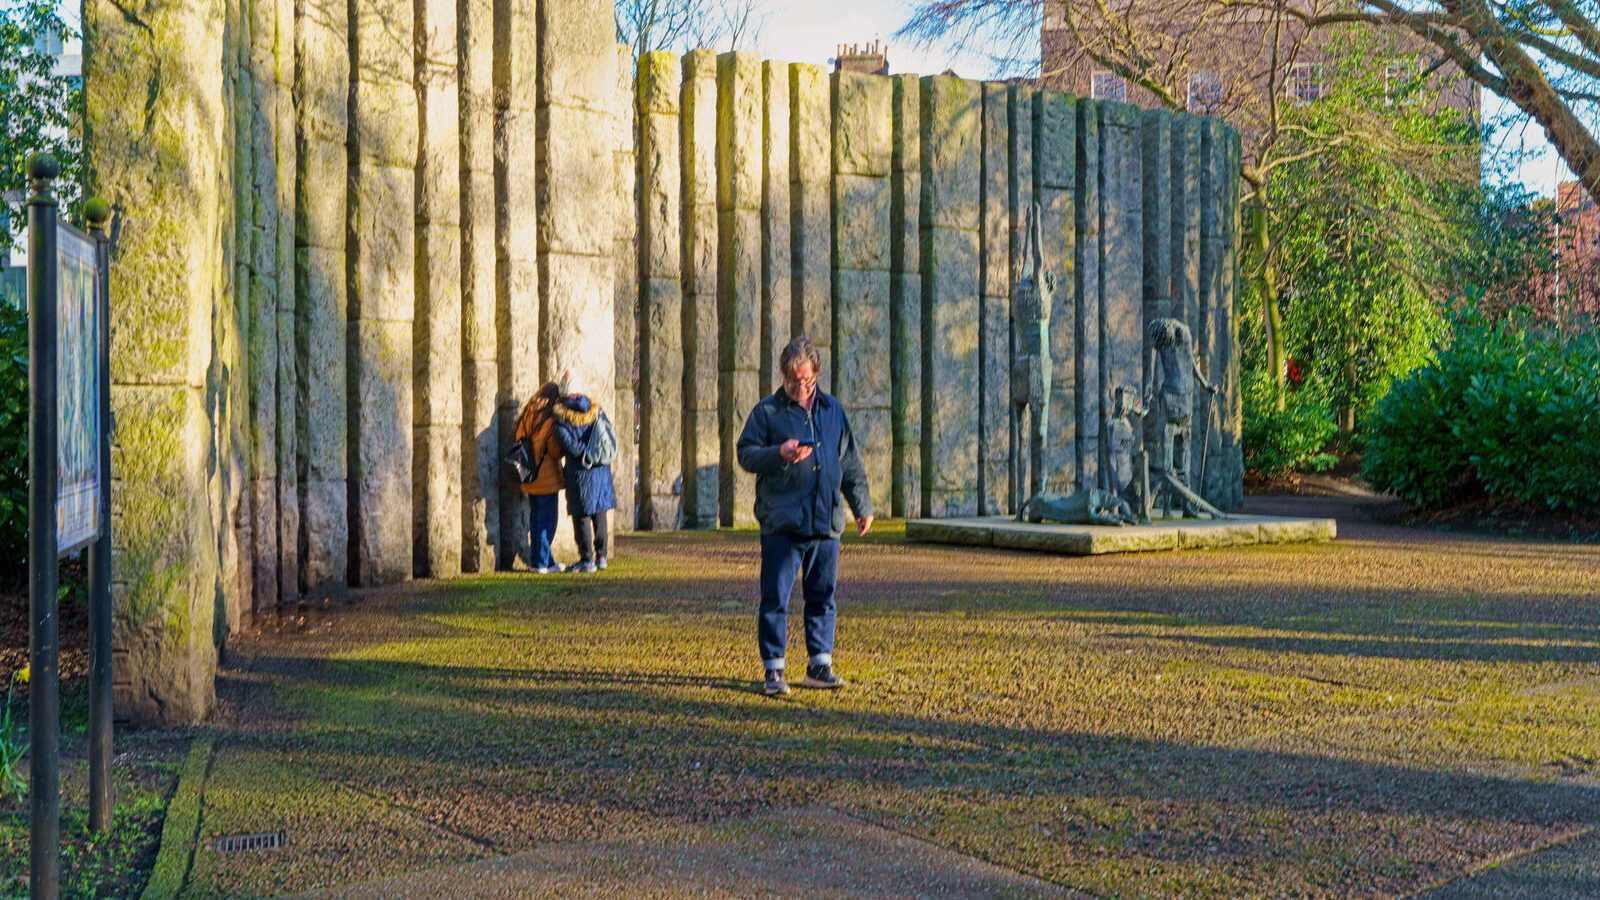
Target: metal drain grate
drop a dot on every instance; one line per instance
(239, 843)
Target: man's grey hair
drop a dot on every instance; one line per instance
(800, 350)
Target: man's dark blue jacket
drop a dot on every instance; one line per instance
(803, 499)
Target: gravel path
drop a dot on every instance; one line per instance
(1394, 712)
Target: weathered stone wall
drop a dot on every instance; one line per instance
(886, 219)
(952, 167)
(164, 176)
(380, 252)
(359, 235)
(576, 188)
(436, 527)
(480, 367)
(740, 152)
(905, 310)
(863, 159)
(701, 448)
(516, 211)
(661, 314)
(625, 283)
(994, 344)
(333, 220)
(810, 206)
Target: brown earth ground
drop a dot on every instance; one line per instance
(1403, 710)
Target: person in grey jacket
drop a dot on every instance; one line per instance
(798, 444)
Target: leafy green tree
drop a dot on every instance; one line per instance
(40, 111)
(1380, 193)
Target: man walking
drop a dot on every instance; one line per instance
(798, 444)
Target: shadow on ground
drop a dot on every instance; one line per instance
(1378, 716)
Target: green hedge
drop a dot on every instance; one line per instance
(1292, 440)
(1503, 411)
(13, 442)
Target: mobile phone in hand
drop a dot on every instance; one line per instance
(807, 441)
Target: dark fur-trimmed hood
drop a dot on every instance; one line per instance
(575, 418)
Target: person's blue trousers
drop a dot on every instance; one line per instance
(817, 562)
(542, 515)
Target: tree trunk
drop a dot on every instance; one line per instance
(1526, 85)
(1267, 287)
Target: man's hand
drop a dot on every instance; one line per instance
(863, 525)
(792, 452)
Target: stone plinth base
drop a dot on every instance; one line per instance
(1089, 540)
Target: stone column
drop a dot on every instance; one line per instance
(382, 256)
(480, 368)
(322, 90)
(1187, 202)
(1232, 397)
(436, 351)
(1089, 263)
(1121, 255)
(810, 206)
(863, 153)
(577, 188)
(661, 319)
(1020, 194)
(1156, 136)
(905, 310)
(994, 347)
(283, 141)
(262, 353)
(951, 145)
(739, 258)
(777, 261)
(700, 447)
(231, 417)
(625, 299)
(1224, 476)
(516, 319)
(155, 114)
(1058, 165)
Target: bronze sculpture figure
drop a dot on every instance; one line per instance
(1033, 297)
(1172, 362)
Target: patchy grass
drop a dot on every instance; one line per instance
(1371, 717)
(117, 862)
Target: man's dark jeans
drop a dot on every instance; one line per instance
(817, 559)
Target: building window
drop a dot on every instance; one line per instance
(1305, 82)
(1205, 92)
(1105, 85)
(1400, 83)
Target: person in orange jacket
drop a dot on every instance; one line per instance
(537, 423)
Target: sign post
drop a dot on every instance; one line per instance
(98, 212)
(44, 709)
(69, 461)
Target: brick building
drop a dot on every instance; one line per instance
(1222, 62)
(1576, 284)
(865, 59)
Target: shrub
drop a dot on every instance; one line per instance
(1504, 411)
(13, 440)
(1277, 443)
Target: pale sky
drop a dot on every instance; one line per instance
(810, 30)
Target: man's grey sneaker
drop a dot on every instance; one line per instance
(602, 564)
(550, 570)
(774, 685)
(821, 677)
(584, 568)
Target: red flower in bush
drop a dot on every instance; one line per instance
(1295, 372)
